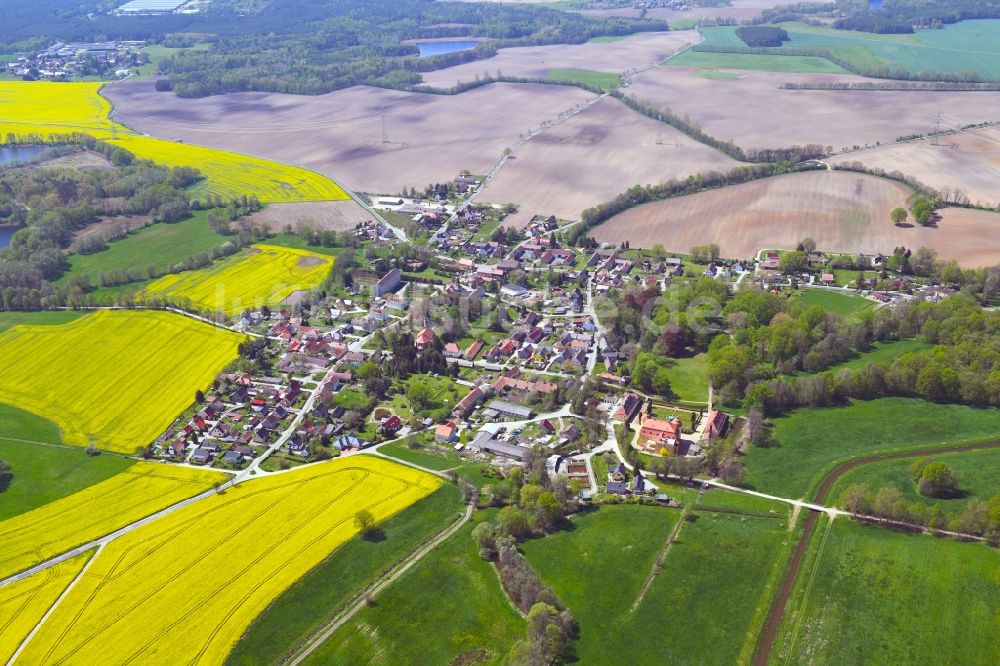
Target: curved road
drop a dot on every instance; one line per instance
(774, 617)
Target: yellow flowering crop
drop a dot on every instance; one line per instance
(183, 589)
(22, 604)
(99, 510)
(116, 379)
(46, 108)
(265, 275)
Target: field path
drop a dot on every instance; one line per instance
(377, 586)
(775, 616)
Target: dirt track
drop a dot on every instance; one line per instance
(776, 614)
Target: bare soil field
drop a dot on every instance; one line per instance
(754, 113)
(316, 215)
(614, 57)
(841, 211)
(969, 161)
(739, 10)
(594, 156)
(431, 137)
(85, 159)
(106, 224)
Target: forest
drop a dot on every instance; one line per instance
(902, 16)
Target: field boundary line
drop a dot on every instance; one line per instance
(809, 585)
(660, 558)
(54, 606)
(360, 599)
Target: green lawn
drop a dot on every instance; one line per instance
(883, 351)
(980, 478)
(598, 568)
(45, 318)
(158, 245)
(809, 442)
(845, 304)
(448, 605)
(727, 500)
(689, 377)
(603, 80)
(759, 62)
(43, 470)
(429, 458)
(875, 596)
(305, 606)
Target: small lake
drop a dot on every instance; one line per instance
(10, 154)
(428, 49)
(875, 4)
(5, 234)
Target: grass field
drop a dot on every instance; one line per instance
(845, 304)
(44, 471)
(46, 318)
(980, 478)
(158, 53)
(302, 608)
(884, 351)
(23, 604)
(46, 108)
(759, 62)
(959, 47)
(878, 596)
(602, 80)
(422, 457)
(448, 609)
(720, 577)
(217, 564)
(74, 373)
(598, 569)
(158, 246)
(689, 377)
(262, 275)
(100, 509)
(810, 441)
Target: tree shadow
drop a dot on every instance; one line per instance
(374, 534)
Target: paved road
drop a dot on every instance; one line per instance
(380, 584)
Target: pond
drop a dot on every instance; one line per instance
(428, 49)
(875, 4)
(10, 154)
(5, 234)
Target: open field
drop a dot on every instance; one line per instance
(22, 604)
(431, 137)
(980, 479)
(615, 57)
(878, 596)
(263, 275)
(612, 551)
(217, 564)
(139, 491)
(843, 212)
(158, 245)
(838, 119)
(967, 46)
(759, 62)
(737, 10)
(454, 591)
(592, 157)
(306, 605)
(604, 80)
(73, 374)
(46, 108)
(809, 441)
(969, 162)
(845, 304)
(41, 318)
(318, 215)
(44, 470)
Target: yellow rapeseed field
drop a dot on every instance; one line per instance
(183, 589)
(262, 275)
(45, 108)
(22, 604)
(116, 379)
(139, 491)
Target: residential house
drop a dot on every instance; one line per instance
(655, 434)
(446, 432)
(465, 406)
(716, 423)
